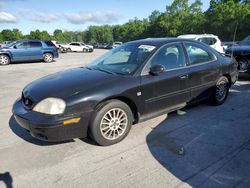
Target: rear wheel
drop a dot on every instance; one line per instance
(4, 59)
(111, 123)
(69, 50)
(221, 91)
(48, 57)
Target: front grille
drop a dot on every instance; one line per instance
(27, 101)
(244, 65)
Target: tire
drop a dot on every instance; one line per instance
(48, 57)
(220, 92)
(69, 50)
(111, 123)
(84, 50)
(4, 59)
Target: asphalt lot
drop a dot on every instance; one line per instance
(207, 147)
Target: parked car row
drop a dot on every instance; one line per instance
(134, 82)
(73, 47)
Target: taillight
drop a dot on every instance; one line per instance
(54, 47)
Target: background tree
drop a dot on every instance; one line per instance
(180, 17)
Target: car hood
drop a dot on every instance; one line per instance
(239, 50)
(4, 48)
(66, 83)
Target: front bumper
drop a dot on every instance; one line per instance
(50, 127)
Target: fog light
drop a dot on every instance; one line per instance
(69, 121)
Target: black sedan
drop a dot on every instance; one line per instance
(129, 84)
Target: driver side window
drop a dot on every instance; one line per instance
(170, 56)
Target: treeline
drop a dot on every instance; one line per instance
(221, 18)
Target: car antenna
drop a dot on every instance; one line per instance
(235, 31)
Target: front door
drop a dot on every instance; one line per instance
(20, 51)
(169, 88)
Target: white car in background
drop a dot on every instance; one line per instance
(209, 39)
(79, 47)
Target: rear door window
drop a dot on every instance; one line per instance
(35, 44)
(197, 54)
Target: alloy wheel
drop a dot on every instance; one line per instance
(114, 124)
(4, 60)
(48, 57)
(221, 90)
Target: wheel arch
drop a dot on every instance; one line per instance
(229, 79)
(7, 54)
(46, 52)
(127, 101)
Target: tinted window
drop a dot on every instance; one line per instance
(170, 56)
(49, 43)
(75, 44)
(35, 44)
(245, 41)
(197, 54)
(22, 45)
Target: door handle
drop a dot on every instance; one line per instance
(184, 76)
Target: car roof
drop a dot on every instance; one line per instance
(32, 40)
(159, 41)
(194, 36)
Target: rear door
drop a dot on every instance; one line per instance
(75, 47)
(169, 88)
(35, 50)
(203, 68)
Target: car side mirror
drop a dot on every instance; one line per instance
(156, 69)
(15, 47)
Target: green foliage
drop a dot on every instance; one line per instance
(221, 18)
(224, 16)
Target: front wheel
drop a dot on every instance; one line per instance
(111, 123)
(4, 59)
(48, 57)
(220, 92)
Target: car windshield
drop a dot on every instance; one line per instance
(124, 59)
(245, 41)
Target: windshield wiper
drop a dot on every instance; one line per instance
(100, 69)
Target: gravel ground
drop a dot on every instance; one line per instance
(207, 147)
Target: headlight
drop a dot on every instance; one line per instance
(50, 106)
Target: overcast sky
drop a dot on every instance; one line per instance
(74, 15)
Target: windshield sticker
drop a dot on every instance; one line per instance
(147, 47)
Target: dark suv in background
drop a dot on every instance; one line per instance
(241, 52)
(28, 50)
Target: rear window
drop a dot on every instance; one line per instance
(49, 43)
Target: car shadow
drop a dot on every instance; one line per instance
(207, 147)
(30, 62)
(25, 135)
(7, 179)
